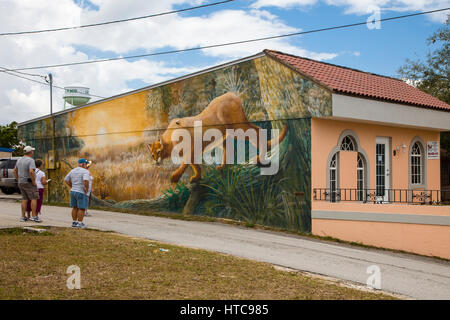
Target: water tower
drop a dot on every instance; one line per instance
(76, 96)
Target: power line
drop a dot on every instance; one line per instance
(114, 21)
(16, 75)
(227, 43)
(28, 74)
(40, 82)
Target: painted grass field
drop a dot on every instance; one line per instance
(123, 172)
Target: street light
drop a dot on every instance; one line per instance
(49, 80)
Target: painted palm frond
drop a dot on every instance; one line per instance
(232, 80)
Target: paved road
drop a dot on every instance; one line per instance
(408, 275)
(14, 196)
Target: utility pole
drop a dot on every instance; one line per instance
(50, 82)
(50, 77)
(52, 153)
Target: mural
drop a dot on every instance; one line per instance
(122, 136)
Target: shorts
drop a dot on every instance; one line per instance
(39, 202)
(79, 200)
(29, 191)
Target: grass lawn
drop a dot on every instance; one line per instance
(33, 266)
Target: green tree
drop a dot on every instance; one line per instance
(432, 75)
(9, 138)
(445, 140)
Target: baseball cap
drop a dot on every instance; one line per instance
(28, 149)
(82, 160)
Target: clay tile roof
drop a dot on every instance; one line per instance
(359, 83)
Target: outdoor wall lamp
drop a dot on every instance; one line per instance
(397, 149)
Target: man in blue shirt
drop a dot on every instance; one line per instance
(78, 180)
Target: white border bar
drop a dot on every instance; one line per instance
(368, 110)
(382, 217)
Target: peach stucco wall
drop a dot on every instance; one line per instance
(427, 240)
(433, 240)
(325, 134)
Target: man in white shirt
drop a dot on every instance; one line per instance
(78, 180)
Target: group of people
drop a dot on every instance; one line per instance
(32, 181)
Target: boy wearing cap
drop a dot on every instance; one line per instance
(78, 180)
(25, 175)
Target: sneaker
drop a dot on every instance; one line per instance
(23, 219)
(35, 219)
(74, 224)
(81, 225)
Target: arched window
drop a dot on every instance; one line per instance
(360, 177)
(333, 177)
(417, 163)
(348, 144)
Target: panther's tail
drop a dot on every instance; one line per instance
(275, 140)
(278, 139)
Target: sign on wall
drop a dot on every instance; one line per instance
(50, 159)
(432, 149)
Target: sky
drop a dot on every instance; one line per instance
(379, 50)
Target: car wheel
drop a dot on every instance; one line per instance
(8, 190)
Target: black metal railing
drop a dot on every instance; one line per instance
(381, 195)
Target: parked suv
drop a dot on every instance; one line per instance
(8, 183)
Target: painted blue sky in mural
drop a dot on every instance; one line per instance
(380, 51)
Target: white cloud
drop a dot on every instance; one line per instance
(361, 7)
(282, 3)
(21, 100)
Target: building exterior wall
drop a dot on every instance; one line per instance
(423, 229)
(388, 113)
(325, 134)
(4, 154)
(115, 133)
(430, 240)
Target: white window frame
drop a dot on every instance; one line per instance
(360, 177)
(333, 170)
(412, 167)
(416, 164)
